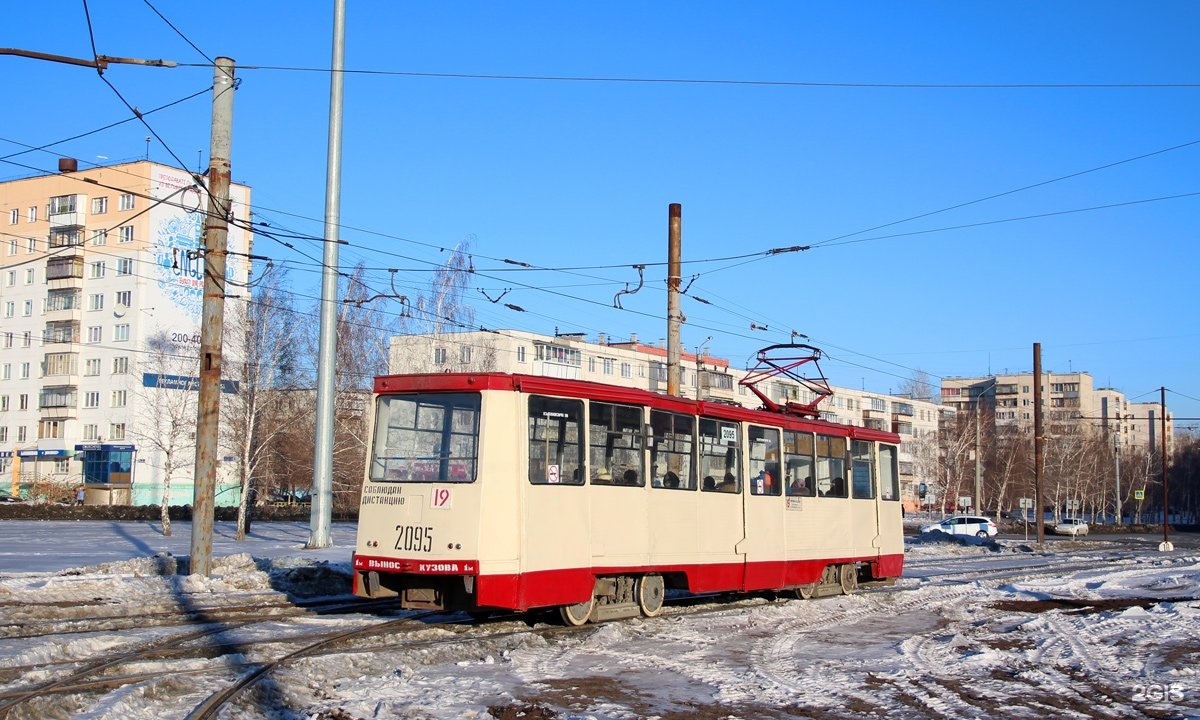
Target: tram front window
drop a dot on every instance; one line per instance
(426, 438)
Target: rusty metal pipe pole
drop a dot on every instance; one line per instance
(674, 315)
(216, 230)
(1037, 443)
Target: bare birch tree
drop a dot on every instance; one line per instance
(256, 416)
(167, 421)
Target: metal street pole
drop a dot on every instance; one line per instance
(1117, 458)
(1165, 545)
(216, 229)
(322, 486)
(1038, 459)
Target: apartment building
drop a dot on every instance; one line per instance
(1070, 401)
(101, 287)
(633, 363)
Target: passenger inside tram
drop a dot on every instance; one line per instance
(710, 483)
(603, 477)
(728, 484)
(630, 477)
(670, 480)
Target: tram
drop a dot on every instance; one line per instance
(496, 491)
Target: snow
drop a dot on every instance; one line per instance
(976, 628)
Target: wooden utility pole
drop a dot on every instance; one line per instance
(212, 321)
(674, 315)
(1039, 511)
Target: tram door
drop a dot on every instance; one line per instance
(617, 495)
(764, 510)
(864, 508)
(554, 549)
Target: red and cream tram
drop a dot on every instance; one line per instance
(496, 491)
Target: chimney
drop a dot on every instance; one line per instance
(601, 339)
(66, 165)
(633, 338)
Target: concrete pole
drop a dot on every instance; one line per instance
(674, 315)
(212, 322)
(1166, 545)
(1117, 458)
(1039, 513)
(978, 502)
(322, 486)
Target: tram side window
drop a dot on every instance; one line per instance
(671, 450)
(426, 438)
(831, 466)
(555, 441)
(764, 461)
(862, 466)
(615, 442)
(798, 453)
(889, 477)
(718, 456)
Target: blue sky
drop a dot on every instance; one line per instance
(848, 121)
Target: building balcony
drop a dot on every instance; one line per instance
(67, 380)
(58, 413)
(64, 315)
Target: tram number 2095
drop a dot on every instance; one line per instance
(412, 538)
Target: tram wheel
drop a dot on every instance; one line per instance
(806, 591)
(849, 579)
(577, 614)
(651, 591)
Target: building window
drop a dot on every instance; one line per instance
(100, 237)
(12, 247)
(120, 366)
(31, 245)
(27, 308)
(464, 354)
(125, 297)
(10, 278)
(14, 216)
(25, 371)
(8, 340)
(10, 309)
(6, 371)
(116, 431)
(125, 266)
(121, 333)
(3, 434)
(91, 399)
(439, 356)
(96, 301)
(96, 269)
(28, 276)
(95, 334)
(91, 367)
(126, 232)
(126, 201)
(89, 431)
(119, 397)
(32, 214)
(50, 429)
(608, 366)
(626, 370)
(22, 402)
(99, 205)
(21, 434)
(591, 364)
(3, 403)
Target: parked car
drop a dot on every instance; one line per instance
(1071, 526)
(976, 525)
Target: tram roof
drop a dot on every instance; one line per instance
(586, 389)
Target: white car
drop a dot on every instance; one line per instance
(1071, 526)
(976, 525)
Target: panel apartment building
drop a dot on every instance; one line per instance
(632, 363)
(1070, 401)
(97, 266)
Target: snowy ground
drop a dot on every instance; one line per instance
(1077, 629)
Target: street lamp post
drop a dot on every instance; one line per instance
(978, 499)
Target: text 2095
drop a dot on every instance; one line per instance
(412, 538)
